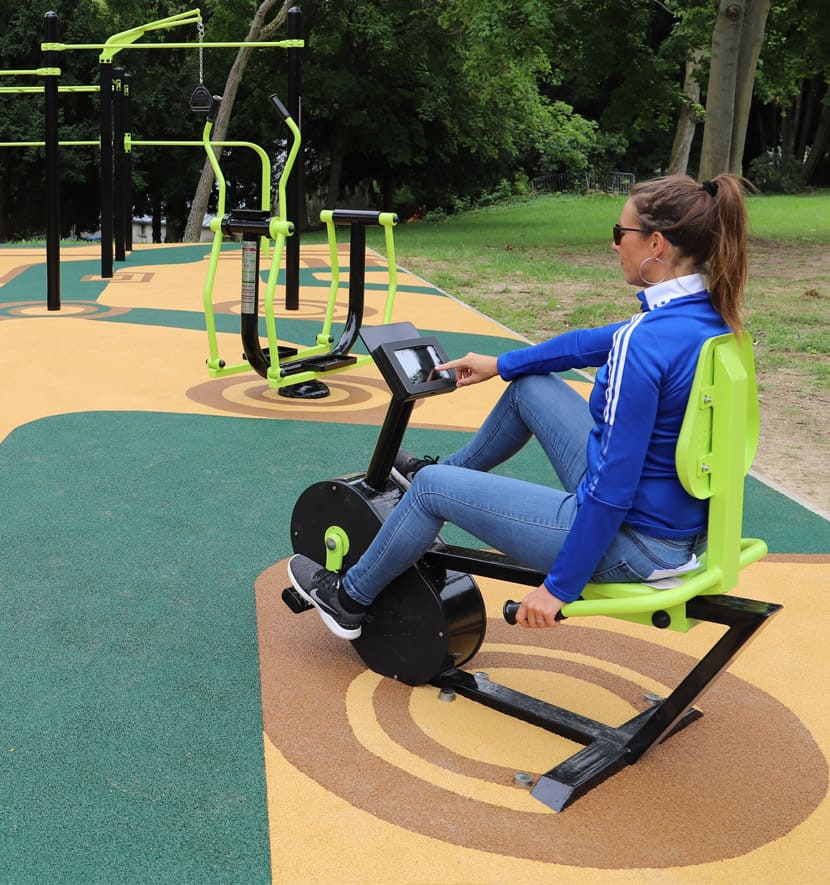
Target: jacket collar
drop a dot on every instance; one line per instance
(679, 287)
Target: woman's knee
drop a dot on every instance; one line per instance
(431, 478)
(438, 489)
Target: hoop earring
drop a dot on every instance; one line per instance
(647, 282)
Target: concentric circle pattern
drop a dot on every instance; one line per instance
(355, 399)
(69, 309)
(447, 770)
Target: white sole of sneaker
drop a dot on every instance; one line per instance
(399, 478)
(332, 625)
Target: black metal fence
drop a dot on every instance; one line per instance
(582, 182)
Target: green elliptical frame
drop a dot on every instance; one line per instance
(279, 229)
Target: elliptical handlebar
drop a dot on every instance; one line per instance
(215, 105)
(281, 108)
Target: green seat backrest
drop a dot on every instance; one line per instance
(715, 449)
(717, 444)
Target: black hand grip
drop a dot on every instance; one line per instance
(511, 607)
(213, 113)
(275, 101)
(357, 216)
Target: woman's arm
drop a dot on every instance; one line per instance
(571, 350)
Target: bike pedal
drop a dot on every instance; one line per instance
(294, 601)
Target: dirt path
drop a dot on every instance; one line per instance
(795, 440)
(793, 282)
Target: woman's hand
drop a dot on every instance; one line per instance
(539, 608)
(472, 368)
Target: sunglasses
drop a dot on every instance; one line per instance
(619, 230)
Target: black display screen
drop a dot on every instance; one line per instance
(409, 368)
(419, 363)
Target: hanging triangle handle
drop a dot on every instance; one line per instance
(201, 100)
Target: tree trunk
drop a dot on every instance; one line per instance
(752, 38)
(720, 97)
(335, 171)
(789, 126)
(687, 120)
(157, 219)
(258, 30)
(820, 141)
(807, 118)
(388, 198)
(5, 200)
(736, 42)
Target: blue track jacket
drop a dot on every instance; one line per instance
(638, 402)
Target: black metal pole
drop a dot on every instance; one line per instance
(389, 441)
(357, 283)
(53, 221)
(105, 81)
(259, 360)
(118, 160)
(128, 165)
(295, 204)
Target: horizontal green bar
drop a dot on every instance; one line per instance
(43, 143)
(10, 90)
(117, 47)
(37, 72)
(201, 144)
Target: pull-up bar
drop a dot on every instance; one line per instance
(110, 51)
(31, 72)
(26, 144)
(8, 90)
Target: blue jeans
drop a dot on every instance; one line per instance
(527, 521)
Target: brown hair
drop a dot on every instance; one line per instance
(706, 222)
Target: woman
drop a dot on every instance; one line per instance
(622, 514)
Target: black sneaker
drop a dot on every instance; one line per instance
(320, 587)
(407, 465)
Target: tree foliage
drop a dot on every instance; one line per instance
(22, 180)
(411, 103)
(789, 147)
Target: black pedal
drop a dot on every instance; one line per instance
(323, 363)
(283, 350)
(326, 363)
(294, 601)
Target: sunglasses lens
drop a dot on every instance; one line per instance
(617, 235)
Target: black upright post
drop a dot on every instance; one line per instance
(357, 275)
(118, 160)
(53, 222)
(294, 189)
(105, 81)
(128, 165)
(389, 441)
